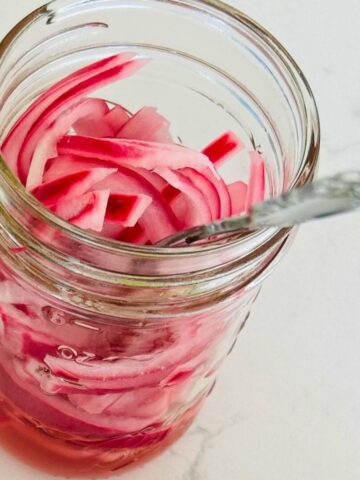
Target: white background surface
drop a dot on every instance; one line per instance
(287, 405)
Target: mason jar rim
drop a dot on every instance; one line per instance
(304, 174)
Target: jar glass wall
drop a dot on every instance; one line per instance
(108, 350)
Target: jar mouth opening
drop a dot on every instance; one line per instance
(304, 173)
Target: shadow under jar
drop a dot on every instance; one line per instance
(108, 350)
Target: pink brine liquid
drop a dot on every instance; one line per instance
(116, 395)
(43, 450)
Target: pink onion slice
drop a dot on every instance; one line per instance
(195, 210)
(256, 187)
(134, 153)
(86, 211)
(15, 138)
(207, 188)
(71, 185)
(146, 403)
(10, 292)
(65, 102)
(112, 230)
(94, 124)
(159, 183)
(223, 192)
(55, 411)
(128, 181)
(116, 118)
(67, 164)
(135, 235)
(47, 146)
(188, 348)
(172, 194)
(126, 209)
(238, 194)
(222, 148)
(148, 125)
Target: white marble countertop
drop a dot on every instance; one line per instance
(287, 404)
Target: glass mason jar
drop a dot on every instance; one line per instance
(108, 350)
